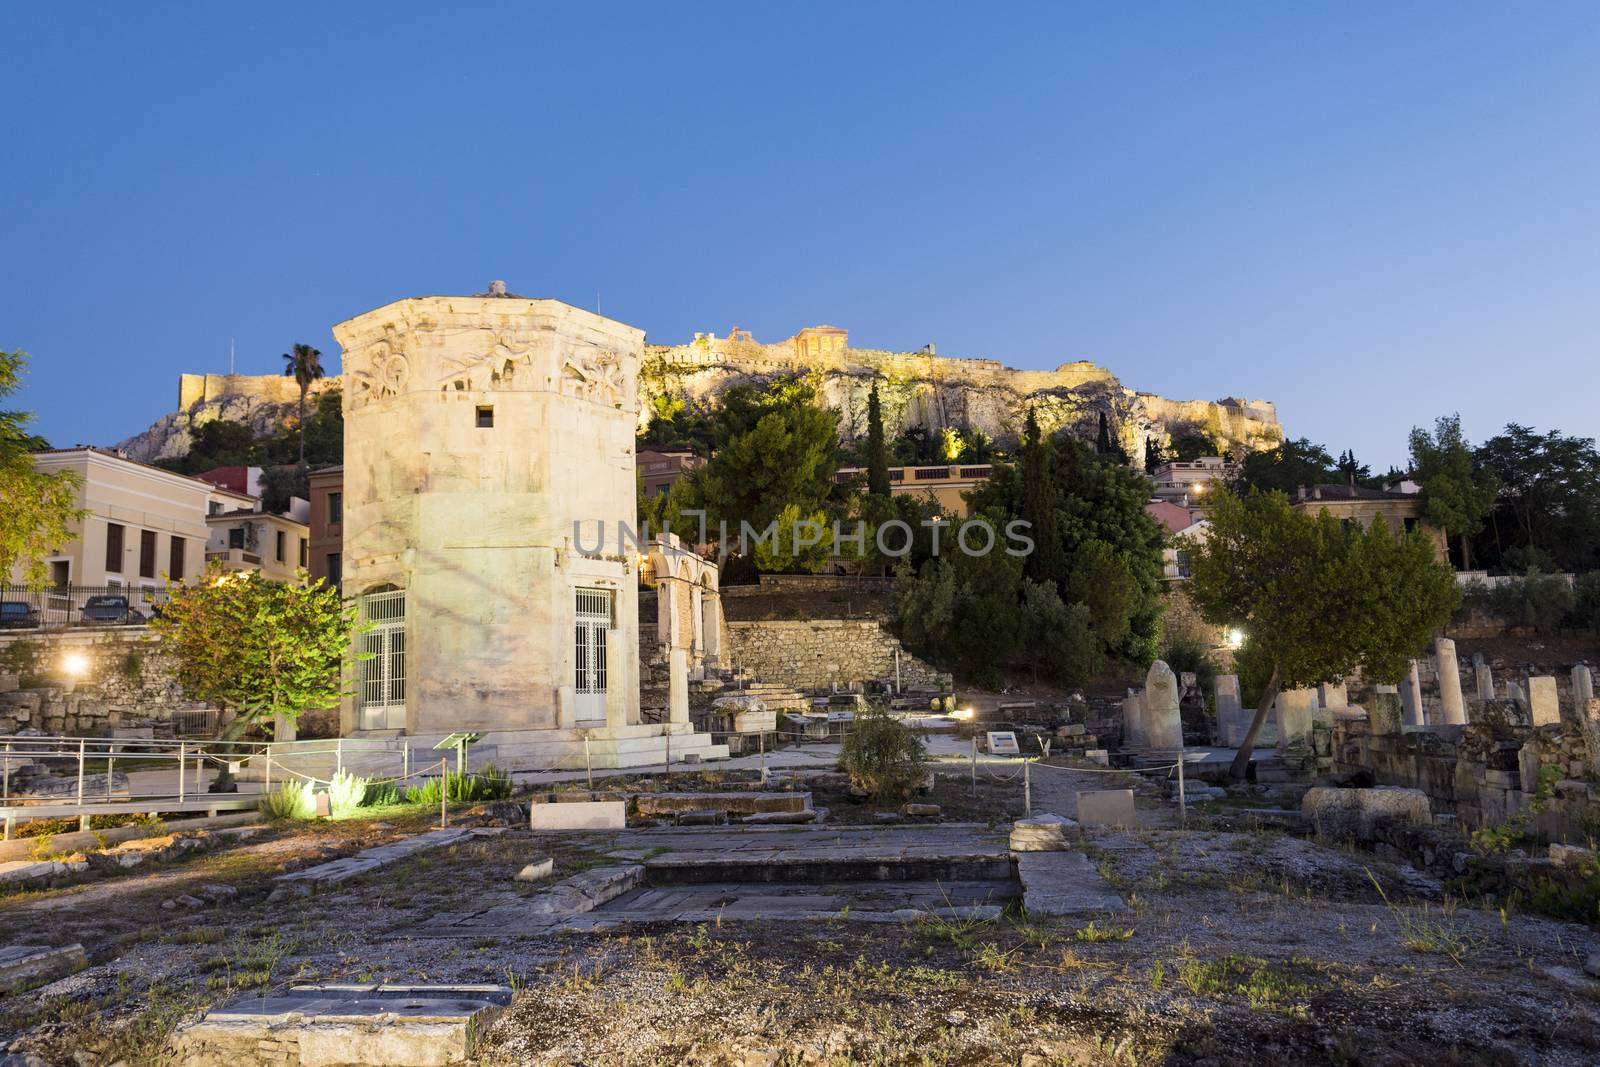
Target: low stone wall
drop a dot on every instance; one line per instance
(128, 679)
(810, 583)
(1482, 773)
(817, 654)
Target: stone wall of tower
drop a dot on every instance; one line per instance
(478, 430)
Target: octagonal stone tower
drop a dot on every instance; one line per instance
(478, 431)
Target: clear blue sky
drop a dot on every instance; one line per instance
(1370, 213)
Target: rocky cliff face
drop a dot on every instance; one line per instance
(936, 393)
(264, 402)
(916, 389)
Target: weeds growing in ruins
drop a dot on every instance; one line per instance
(1094, 934)
(1424, 929)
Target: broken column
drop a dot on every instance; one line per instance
(1544, 705)
(1333, 695)
(1133, 729)
(1582, 690)
(1231, 720)
(1294, 707)
(1483, 675)
(678, 685)
(1453, 706)
(1383, 710)
(1162, 721)
(1411, 697)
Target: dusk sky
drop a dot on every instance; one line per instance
(1371, 214)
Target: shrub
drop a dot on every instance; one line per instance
(1539, 602)
(346, 793)
(381, 793)
(429, 792)
(490, 783)
(1185, 654)
(882, 756)
(292, 800)
(1586, 601)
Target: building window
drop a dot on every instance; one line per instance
(114, 547)
(335, 569)
(236, 537)
(175, 560)
(61, 573)
(335, 508)
(302, 541)
(147, 553)
(593, 620)
(485, 416)
(383, 674)
(214, 508)
(277, 547)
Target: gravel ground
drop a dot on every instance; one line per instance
(1240, 947)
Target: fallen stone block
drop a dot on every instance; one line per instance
(921, 810)
(580, 815)
(650, 805)
(1362, 814)
(1107, 807)
(340, 870)
(398, 1026)
(28, 964)
(537, 871)
(762, 818)
(1571, 855)
(1064, 883)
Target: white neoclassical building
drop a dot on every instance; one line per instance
(478, 431)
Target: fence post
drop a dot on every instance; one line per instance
(669, 753)
(761, 745)
(111, 766)
(405, 757)
(1027, 790)
(588, 767)
(974, 765)
(5, 779)
(182, 759)
(444, 795)
(1183, 799)
(338, 755)
(81, 743)
(267, 754)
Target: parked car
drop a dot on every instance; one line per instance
(17, 615)
(110, 611)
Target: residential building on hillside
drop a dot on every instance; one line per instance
(256, 540)
(145, 524)
(327, 526)
(944, 483)
(1186, 481)
(1355, 503)
(659, 468)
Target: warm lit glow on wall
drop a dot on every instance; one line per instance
(75, 664)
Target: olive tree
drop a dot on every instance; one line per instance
(1316, 598)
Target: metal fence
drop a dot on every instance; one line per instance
(58, 607)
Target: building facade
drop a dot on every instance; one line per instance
(489, 455)
(144, 523)
(255, 540)
(326, 524)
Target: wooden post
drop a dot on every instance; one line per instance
(974, 765)
(1183, 800)
(669, 754)
(111, 764)
(181, 761)
(761, 745)
(1027, 790)
(405, 757)
(81, 743)
(588, 766)
(267, 755)
(444, 794)
(5, 777)
(338, 755)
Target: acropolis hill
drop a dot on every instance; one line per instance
(918, 389)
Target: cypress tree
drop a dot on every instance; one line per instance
(1039, 505)
(877, 451)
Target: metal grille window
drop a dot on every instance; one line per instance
(383, 674)
(593, 620)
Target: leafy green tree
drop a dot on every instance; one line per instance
(1315, 598)
(304, 365)
(1191, 446)
(1059, 640)
(1287, 467)
(37, 510)
(877, 452)
(1153, 455)
(218, 443)
(1549, 495)
(786, 552)
(280, 485)
(260, 648)
(964, 610)
(1351, 470)
(1457, 492)
(774, 448)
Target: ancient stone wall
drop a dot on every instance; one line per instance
(809, 583)
(128, 680)
(938, 393)
(1482, 773)
(822, 653)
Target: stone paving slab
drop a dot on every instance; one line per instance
(341, 870)
(20, 964)
(1064, 883)
(395, 1026)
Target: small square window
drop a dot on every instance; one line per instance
(485, 416)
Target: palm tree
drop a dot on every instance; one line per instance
(304, 365)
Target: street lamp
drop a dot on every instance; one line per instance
(75, 664)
